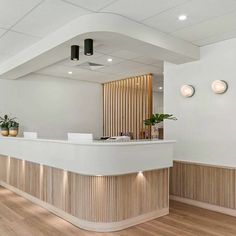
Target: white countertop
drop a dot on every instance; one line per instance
(94, 142)
(106, 158)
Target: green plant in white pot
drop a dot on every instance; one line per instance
(155, 120)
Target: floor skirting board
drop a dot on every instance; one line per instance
(224, 210)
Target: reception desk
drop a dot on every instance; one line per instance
(99, 185)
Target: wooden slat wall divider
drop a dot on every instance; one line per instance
(126, 104)
(205, 183)
(101, 199)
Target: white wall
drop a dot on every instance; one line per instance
(53, 106)
(157, 102)
(206, 126)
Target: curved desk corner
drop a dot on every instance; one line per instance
(97, 186)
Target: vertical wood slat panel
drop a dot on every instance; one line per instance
(205, 183)
(139, 103)
(134, 105)
(91, 198)
(3, 168)
(104, 109)
(127, 103)
(123, 106)
(109, 108)
(32, 173)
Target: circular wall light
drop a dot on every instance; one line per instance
(187, 90)
(219, 86)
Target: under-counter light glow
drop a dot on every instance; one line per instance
(140, 174)
(109, 59)
(70, 72)
(187, 90)
(182, 17)
(219, 86)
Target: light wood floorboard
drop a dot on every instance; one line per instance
(20, 217)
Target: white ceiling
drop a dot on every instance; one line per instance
(24, 22)
(208, 20)
(124, 64)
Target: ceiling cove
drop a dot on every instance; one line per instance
(136, 37)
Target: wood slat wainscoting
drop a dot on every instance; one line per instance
(204, 183)
(100, 203)
(126, 104)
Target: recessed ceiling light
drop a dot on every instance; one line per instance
(109, 59)
(182, 17)
(70, 72)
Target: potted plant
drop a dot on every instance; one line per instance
(13, 128)
(156, 119)
(4, 129)
(7, 123)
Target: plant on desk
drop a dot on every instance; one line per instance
(13, 128)
(9, 126)
(156, 119)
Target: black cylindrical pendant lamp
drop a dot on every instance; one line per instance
(75, 52)
(88, 47)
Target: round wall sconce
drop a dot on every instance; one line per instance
(219, 86)
(187, 90)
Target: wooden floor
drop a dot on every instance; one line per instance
(21, 217)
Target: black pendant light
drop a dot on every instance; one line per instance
(88, 47)
(75, 52)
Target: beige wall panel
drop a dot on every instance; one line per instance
(205, 183)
